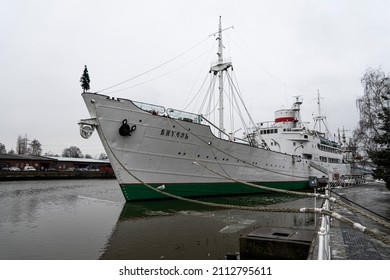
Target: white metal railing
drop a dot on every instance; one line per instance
(348, 180)
(184, 116)
(324, 252)
(157, 109)
(324, 248)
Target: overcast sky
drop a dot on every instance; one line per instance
(279, 49)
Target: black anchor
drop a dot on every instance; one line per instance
(125, 129)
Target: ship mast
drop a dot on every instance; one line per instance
(320, 118)
(217, 68)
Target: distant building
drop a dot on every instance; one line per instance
(66, 163)
(20, 161)
(53, 163)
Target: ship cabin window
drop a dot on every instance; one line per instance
(293, 143)
(327, 149)
(323, 159)
(334, 160)
(269, 131)
(307, 156)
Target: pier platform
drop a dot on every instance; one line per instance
(348, 243)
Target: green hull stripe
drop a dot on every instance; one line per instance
(141, 192)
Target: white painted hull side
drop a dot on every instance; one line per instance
(163, 150)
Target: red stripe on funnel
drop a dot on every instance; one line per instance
(285, 119)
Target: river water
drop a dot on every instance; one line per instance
(89, 219)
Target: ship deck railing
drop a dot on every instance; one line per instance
(154, 109)
(199, 119)
(184, 116)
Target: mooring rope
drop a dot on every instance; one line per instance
(360, 206)
(373, 233)
(317, 195)
(234, 157)
(363, 213)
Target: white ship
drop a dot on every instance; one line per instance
(154, 149)
(288, 134)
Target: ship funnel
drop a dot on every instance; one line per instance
(285, 116)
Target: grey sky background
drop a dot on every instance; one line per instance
(279, 49)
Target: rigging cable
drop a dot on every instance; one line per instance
(199, 90)
(237, 104)
(156, 67)
(253, 58)
(162, 75)
(251, 55)
(237, 88)
(194, 83)
(209, 94)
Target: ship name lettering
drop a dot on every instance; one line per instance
(173, 133)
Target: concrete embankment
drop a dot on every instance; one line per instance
(53, 175)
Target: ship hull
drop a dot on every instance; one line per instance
(141, 192)
(182, 156)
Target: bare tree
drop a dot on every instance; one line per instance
(371, 106)
(373, 133)
(2, 149)
(73, 152)
(36, 147)
(22, 146)
(103, 156)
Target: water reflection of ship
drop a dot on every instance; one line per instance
(173, 229)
